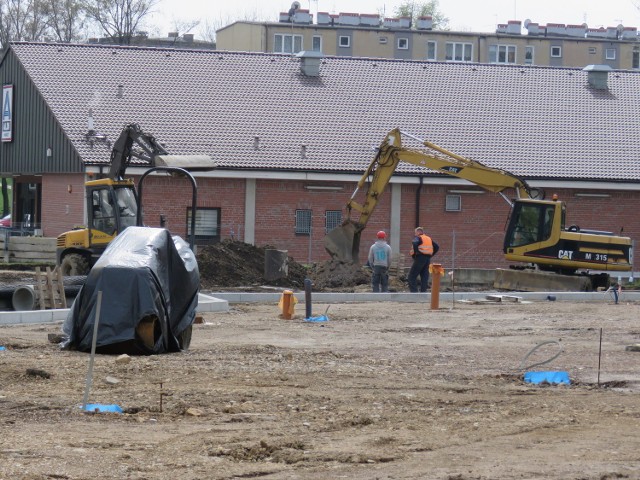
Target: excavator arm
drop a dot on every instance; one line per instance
(343, 242)
(133, 143)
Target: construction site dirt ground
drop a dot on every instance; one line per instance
(379, 391)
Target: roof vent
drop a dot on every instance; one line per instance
(598, 76)
(310, 63)
(120, 91)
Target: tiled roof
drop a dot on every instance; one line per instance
(537, 122)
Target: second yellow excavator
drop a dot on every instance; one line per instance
(536, 231)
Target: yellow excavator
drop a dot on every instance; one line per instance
(536, 231)
(113, 203)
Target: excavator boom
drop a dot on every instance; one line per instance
(343, 242)
(536, 230)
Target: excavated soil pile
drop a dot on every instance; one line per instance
(238, 264)
(334, 274)
(232, 264)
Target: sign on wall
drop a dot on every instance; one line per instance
(7, 113)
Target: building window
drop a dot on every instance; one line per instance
(403, 43)
(316, 43)
(592, 50)
(502, 53)
(287, 43)
(382, 40)
(207, 225)
(556, 51)
(344, 41)
(528, 55)
(635, 59)
(431, 50)
(610, 54)
(458, 52)
(453, 203)
(303, 222)
(332, 219)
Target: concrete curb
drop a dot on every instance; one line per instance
(206, 303)
(405, 297)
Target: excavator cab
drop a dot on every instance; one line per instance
(532, 222)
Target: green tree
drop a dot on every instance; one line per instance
(414, 9)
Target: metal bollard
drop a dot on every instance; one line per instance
(307, 297)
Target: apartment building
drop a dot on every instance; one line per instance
(369, 35)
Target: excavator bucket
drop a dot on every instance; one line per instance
(343, 242)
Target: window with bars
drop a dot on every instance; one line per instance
(453, 203)
(303, 222)
(207, 229)
(332, 219)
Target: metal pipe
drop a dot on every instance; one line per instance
(194, 198)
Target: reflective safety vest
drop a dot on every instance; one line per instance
(425, 247)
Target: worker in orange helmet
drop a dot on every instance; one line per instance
(380, 261)
(422, 249)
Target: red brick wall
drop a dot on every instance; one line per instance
(61, 209)
(478, 228)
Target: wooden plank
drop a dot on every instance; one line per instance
(41, 297)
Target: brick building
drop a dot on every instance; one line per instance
(292, 135)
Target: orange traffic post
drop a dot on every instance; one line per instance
(287, 304)
(436, 271)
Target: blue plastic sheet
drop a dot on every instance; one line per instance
(100, 408)
(553, 378)
(321, 318)
(2, 348)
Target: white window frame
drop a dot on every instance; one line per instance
(610, 54)
(348, 41)
(453, 203)
(316, 39)
(403, 41)
(558, 51)
(460, 52)
(435, 50)
(529, 54)
(382, 40)
(280, 43)
(503, 54)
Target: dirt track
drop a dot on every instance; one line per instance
(380, 391)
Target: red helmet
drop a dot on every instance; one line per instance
(381, 234)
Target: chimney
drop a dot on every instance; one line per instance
(188, 37)
(597, 76)
(310, 63)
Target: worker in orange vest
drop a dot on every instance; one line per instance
(422, 249)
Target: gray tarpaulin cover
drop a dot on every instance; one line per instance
(149, 282)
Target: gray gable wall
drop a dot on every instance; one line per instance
(35, 129)
(256, 111)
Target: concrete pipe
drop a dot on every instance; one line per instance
(24, 298)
